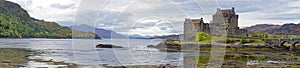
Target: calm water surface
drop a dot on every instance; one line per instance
(83, 51)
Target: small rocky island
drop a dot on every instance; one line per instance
(107, 46)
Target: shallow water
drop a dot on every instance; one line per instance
(83, 51)
(135, 52)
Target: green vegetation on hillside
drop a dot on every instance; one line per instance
(16, 23)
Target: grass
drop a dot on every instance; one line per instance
(5, 61)
(293, 36)
(244, 58)
(285, 36)
(205, 59)
(240, 59)
(202, 59)
(10, 57)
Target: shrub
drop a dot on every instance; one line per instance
(260, 35)
(244, 39)
(169, 40)
(259, 41)
(201, 36)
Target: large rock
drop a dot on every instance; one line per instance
(151, 46)
(107, 46)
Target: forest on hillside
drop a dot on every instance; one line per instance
(15, 22)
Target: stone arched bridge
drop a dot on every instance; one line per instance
(280, 43)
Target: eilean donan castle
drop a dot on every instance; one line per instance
(226, 18)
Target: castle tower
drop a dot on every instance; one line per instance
(228, 17)
(193, 26)
(225, 22)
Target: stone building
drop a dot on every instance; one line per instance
(225, 22)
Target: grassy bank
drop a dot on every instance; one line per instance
(16, 57)
(268, 59)
(12, 57)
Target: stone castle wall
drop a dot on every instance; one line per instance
(225, 22)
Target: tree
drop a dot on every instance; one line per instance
(201, 36)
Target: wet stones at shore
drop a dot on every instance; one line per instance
(107, 46)
(175, 47)
(13, 57)
(151, 46)
(19, 57)
(145, 66)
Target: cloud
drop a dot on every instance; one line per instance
(124, 16)
(51, 10)
(59, 6)
(153, 27)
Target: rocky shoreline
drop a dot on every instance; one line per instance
(19, 57)
(175, 47)
(145, 66)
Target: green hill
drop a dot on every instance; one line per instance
(15, 22)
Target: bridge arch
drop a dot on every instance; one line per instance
(283, 44)
(296, 44)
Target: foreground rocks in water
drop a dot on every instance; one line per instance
(18, 57)
(14, 57)
(145, 66)
(175, 47)
(107, 46)
(171, 47)
(151, 46)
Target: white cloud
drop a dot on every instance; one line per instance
(50, 10)
(121, 15)
(153, 27)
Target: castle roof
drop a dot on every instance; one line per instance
(195, 21)
(226, 11)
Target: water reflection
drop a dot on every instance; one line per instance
(85, 53)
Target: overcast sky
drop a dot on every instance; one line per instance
(158, 17)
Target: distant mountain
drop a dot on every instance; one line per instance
(137, 36)
(103, 33)
(289, 28)
(15, 22)
(168, 36)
